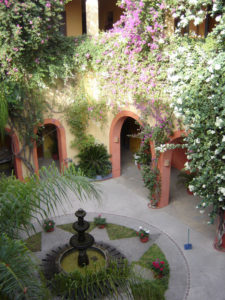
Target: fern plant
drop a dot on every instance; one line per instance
(94, 160)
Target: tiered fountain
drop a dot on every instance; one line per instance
(82, 253)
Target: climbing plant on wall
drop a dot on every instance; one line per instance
(30, 48)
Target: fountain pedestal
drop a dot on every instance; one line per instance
(82, 240)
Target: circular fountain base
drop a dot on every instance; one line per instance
(51, 264)
(68, 260)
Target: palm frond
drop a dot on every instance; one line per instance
(19, 277)
(38, 197)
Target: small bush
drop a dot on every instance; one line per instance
(146, 289)
(94, 160)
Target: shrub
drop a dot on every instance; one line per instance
(94, 160)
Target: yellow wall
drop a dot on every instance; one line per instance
(106, 6)
(73, 18)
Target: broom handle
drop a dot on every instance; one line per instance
(188, 235)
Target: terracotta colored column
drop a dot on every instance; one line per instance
(92, 17)
(164, 166)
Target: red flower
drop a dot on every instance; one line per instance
(162, 262)
(161, 269)
(142, 234)
(25, 290)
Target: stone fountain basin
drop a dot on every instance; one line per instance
(68, 260)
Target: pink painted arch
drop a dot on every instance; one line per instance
(16, 149)
(114, 139)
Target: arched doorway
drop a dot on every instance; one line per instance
(117, 140)
(9, 147)
(47, 146)
(129, 142)
(50, 145)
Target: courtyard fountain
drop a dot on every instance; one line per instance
(83, 253)
(84, 256)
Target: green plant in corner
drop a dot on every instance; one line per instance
(94, 160)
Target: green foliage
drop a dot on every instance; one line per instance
(36, 198)
(26, 29)
(185, 178)
(48, 225)
(155, 289)
(94, 160)
(104, 282)
(99, 220)
(18, 272)
(145, 289)
(33, 243)
(34, 56)
(78, 115)
(151, 255)
(88, 53)
(116, 232)
(69, 228)
(144, 153)
(197, 87)
(151, 180)
(19, 203)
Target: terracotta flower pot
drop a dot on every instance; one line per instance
(144, 239)
(101, 226)
(189, 192)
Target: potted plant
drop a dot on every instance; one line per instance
(158, 268)
(100, 222)
(48, 225)
(143, 234)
